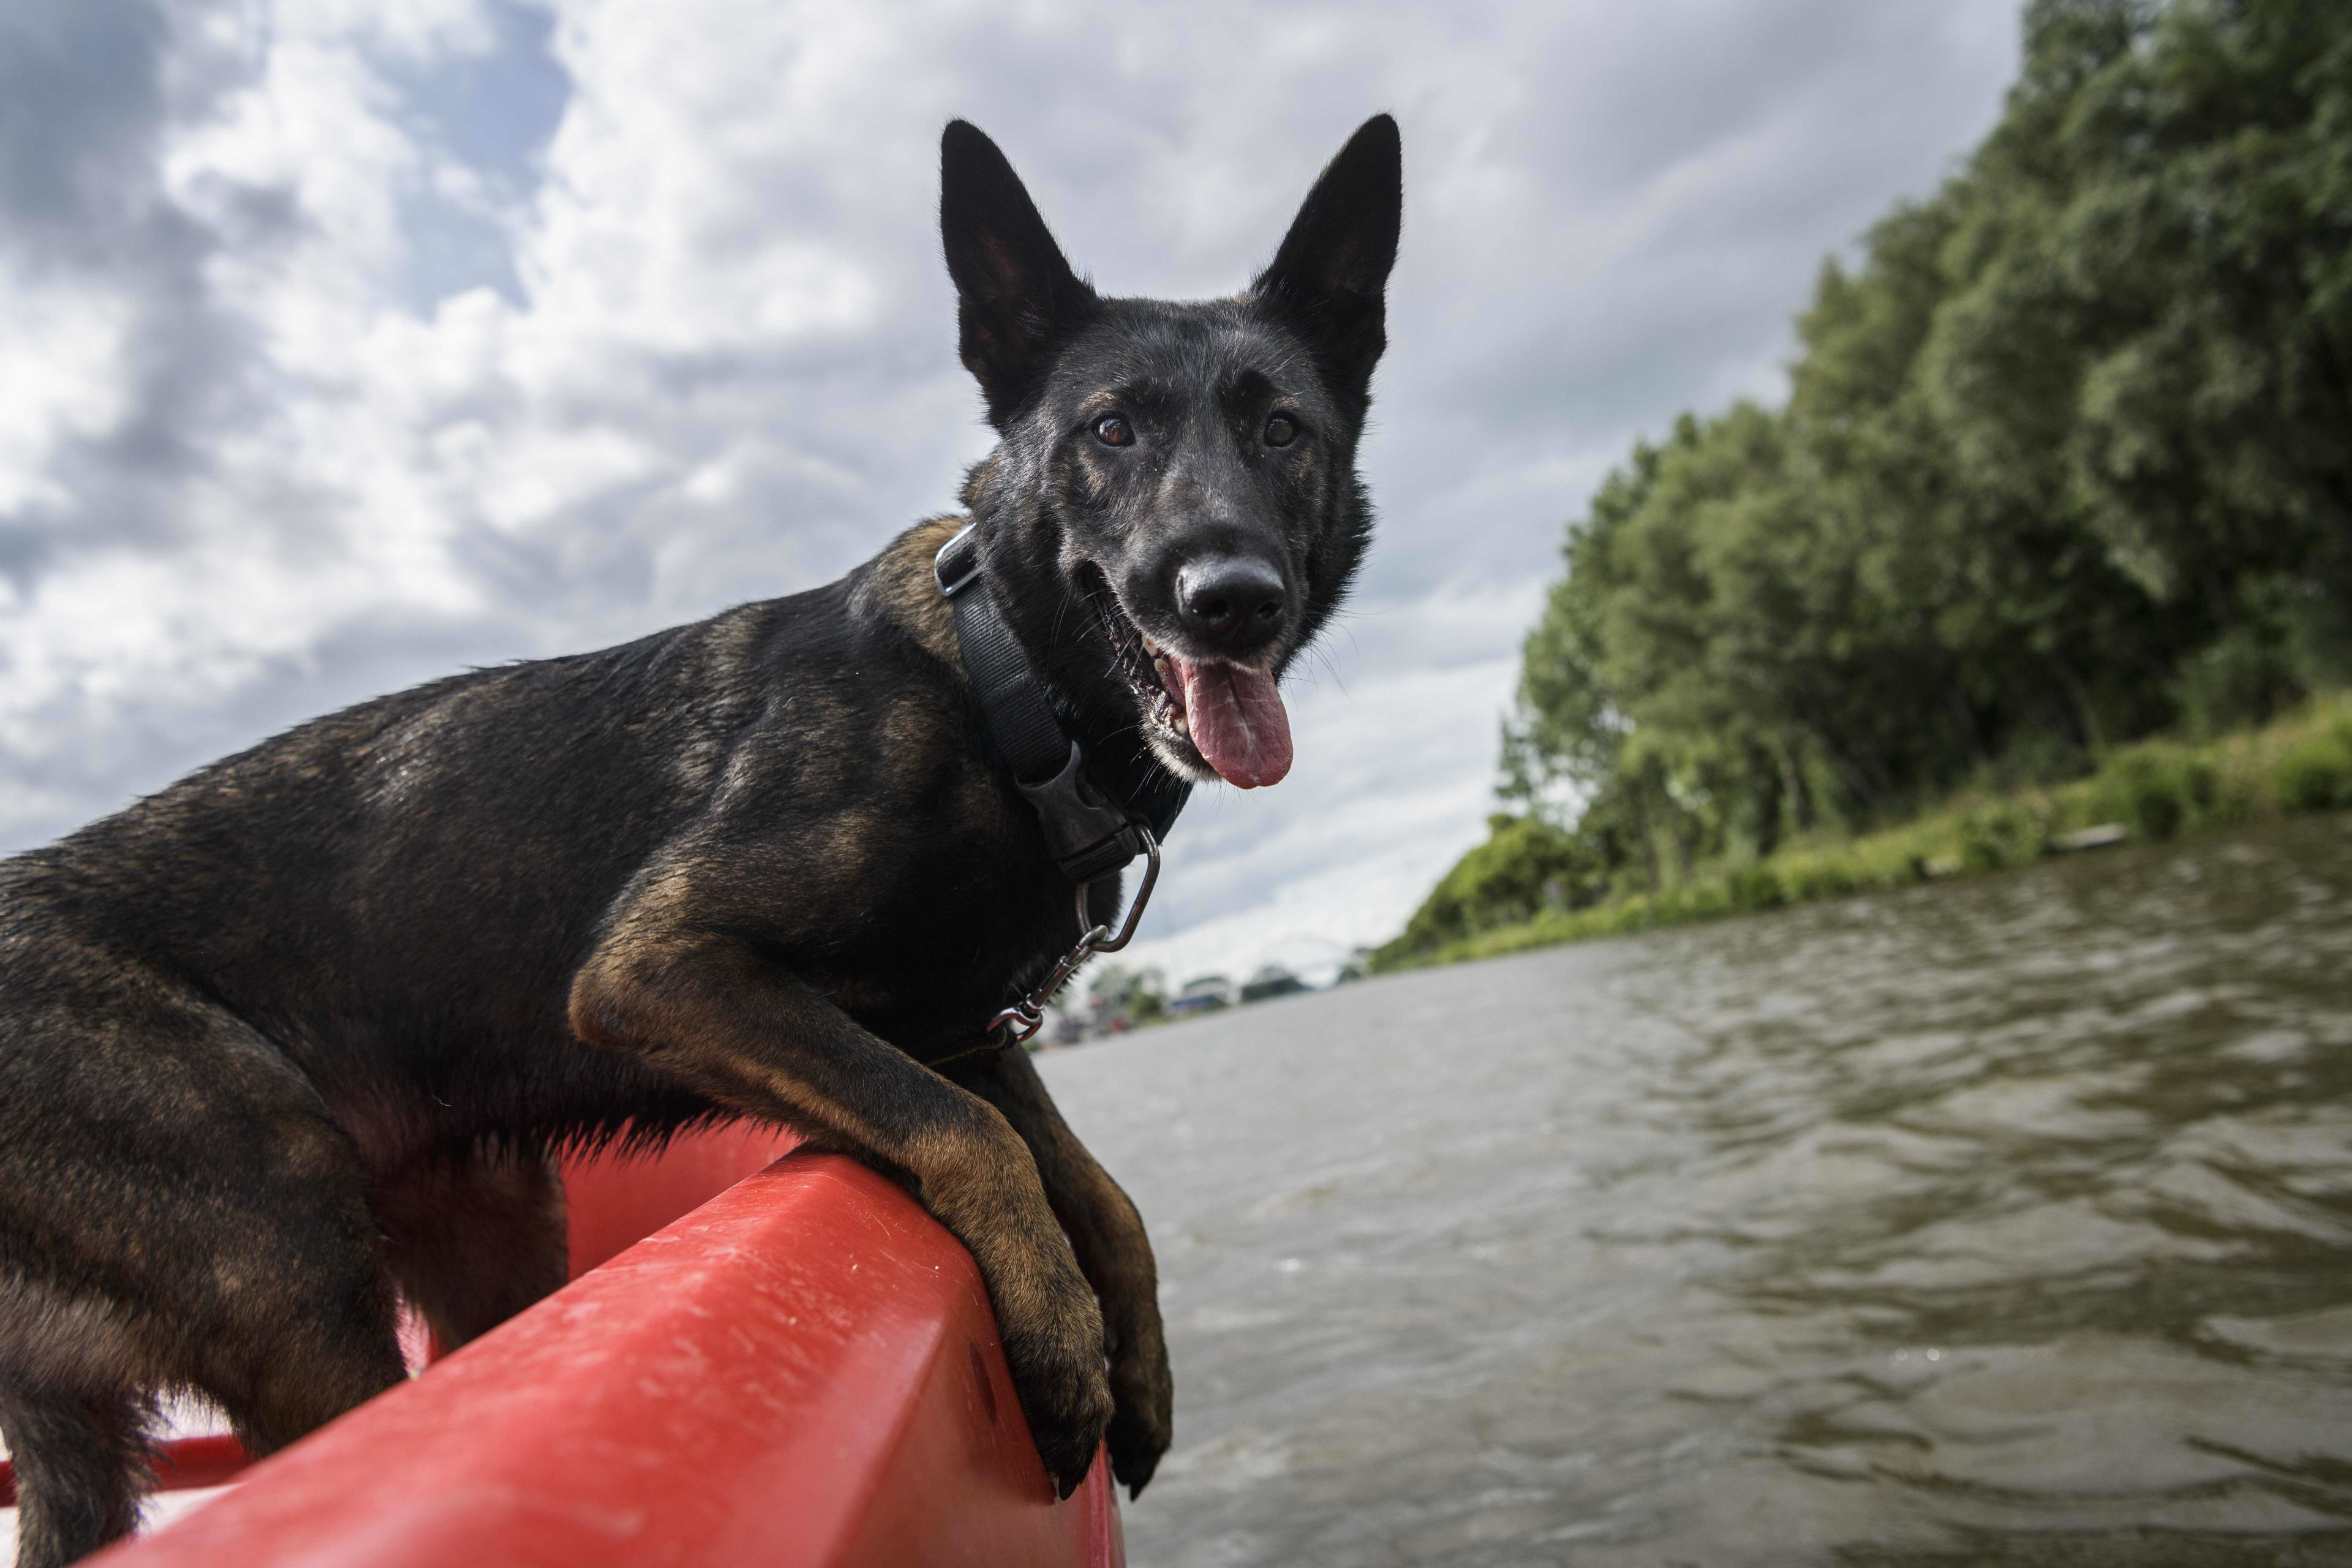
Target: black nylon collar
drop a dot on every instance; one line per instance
(1089, 834)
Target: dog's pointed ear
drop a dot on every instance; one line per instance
(1016, 297)
(1327, 280)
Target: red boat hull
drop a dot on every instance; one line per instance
(801, 1370)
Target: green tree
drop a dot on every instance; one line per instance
(1135, 997)
(2066, 457)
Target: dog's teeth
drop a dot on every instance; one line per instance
(1176, 722)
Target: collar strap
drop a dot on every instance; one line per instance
(1089, 835)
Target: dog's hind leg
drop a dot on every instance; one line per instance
(81, 1466)
(178, 1209)
(474, 1242)
(296, 1319)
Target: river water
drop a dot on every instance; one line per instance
(2006, 1221)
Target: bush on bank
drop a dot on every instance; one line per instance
(2154, 790)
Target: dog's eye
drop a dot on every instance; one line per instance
(1281, 430)
(1112, 430)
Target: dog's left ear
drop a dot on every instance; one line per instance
(1016, 297)
(1328, 279)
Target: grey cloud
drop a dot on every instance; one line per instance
(1523, 350)
(80, 103)
(84, 97)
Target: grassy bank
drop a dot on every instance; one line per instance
(2152, 790)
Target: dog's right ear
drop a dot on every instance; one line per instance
(1016, 297)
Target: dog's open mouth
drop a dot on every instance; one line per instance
(1228, 717)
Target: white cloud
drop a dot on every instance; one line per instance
(61, 375)
(328, 367)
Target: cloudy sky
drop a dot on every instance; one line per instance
(347, 342)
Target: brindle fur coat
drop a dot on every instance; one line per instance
(297, 1035)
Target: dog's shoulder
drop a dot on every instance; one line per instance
(898, 590)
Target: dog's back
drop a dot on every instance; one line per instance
(395, 888)
(399, 894)
(318, 991)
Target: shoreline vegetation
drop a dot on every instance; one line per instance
(2051, 537)
(2148, 791)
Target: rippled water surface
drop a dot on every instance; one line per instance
(2000, 1222)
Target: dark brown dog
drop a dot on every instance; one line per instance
(296, 1036)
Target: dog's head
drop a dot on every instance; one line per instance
(1173, 512)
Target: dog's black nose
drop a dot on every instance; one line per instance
(1230, 603)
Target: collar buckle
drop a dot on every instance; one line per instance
(1089, 836)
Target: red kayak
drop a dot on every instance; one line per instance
(760, 1360)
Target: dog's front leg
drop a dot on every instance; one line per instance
(724, 1019)
(1112, 1248)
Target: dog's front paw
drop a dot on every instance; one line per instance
(1056, 1356)
(1142, 1425)
(1140, 1384)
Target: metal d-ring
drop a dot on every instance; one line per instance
(1099, 939)
(1026, 1016)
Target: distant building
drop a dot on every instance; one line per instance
(1271, 980)
(1205, 994)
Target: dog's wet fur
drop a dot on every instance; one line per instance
(298, 1036)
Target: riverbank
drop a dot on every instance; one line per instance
(2152, 790)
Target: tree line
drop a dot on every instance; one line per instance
(2066, 459)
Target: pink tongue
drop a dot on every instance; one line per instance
(1237, 722)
